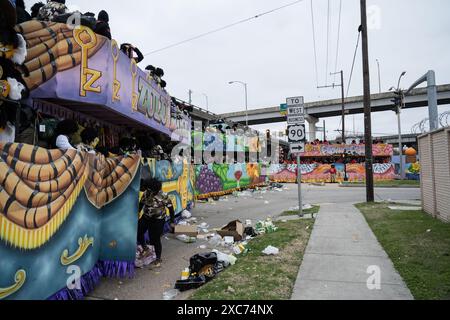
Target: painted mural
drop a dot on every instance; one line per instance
(177, 180)
(413, 171)
(215, 180)
(323, 150)
(61, 212)
(318, 173)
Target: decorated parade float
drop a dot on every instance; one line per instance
(348, 160)
(70, 214)
(219, 179)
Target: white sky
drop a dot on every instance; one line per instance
(274, 54)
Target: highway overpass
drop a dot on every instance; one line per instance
(331, 108)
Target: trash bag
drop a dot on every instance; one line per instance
(219, 267)
(270, 250)
(191, 283)
(250, 231)
(200, 262)
(186, 214)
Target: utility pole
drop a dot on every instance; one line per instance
(190, 96)
(324, 131)
(343, 99)
(343, 107)
(370, 192)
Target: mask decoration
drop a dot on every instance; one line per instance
(13, 52)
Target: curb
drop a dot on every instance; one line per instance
(379, 187)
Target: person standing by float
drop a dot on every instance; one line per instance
(154, 204)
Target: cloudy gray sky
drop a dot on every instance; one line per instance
(274, 54)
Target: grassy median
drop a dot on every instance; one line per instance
(259, 277)
(418, 245)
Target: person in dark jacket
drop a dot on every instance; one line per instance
(52, 10)
(130, 50)
(35, 9)
(102, 26)
(154, 204)
(22, 14)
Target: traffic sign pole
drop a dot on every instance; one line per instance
(299, 179)
(297, 138)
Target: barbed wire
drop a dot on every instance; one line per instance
(424, 125)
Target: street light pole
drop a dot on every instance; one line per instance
(343, 107)
(399, 111)
(207, 101)
(246, 98)
(400, 143)
(190, 96)
(379, 75)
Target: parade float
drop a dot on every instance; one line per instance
(70, 217)
(348, 160)
(219, 178)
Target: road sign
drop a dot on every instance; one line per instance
(297, 133)
(295, 111)
(297, 147)
(296, 101)
(297, 137)
(294, 120)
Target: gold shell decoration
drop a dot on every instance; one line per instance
(19, 278)
(84, 244)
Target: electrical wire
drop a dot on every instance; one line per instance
(353, 66)
(223, 28)
(353, 63)
(314, 42)
(328, 43)
(338, 39)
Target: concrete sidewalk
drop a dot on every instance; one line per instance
(341, 249)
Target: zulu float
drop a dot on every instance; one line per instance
(74, 213)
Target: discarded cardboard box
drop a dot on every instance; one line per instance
(190, 231)
(233, 229)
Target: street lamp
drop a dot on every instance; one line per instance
(379, 75)
(207, 101)
(246, 98)
(399, 110)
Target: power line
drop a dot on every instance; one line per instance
(353, 63)
(338, 38)
(353, 66)
(223, 28)
(328, 43)
(314, 41)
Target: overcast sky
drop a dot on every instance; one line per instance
(274, 53)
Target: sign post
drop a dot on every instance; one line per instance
(297, 138)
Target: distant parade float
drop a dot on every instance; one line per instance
(348, 160)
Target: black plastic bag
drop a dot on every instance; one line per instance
(191, 283)
(250, 231)
(219, 267)
(200, 262)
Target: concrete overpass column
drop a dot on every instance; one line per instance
(312, 127)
